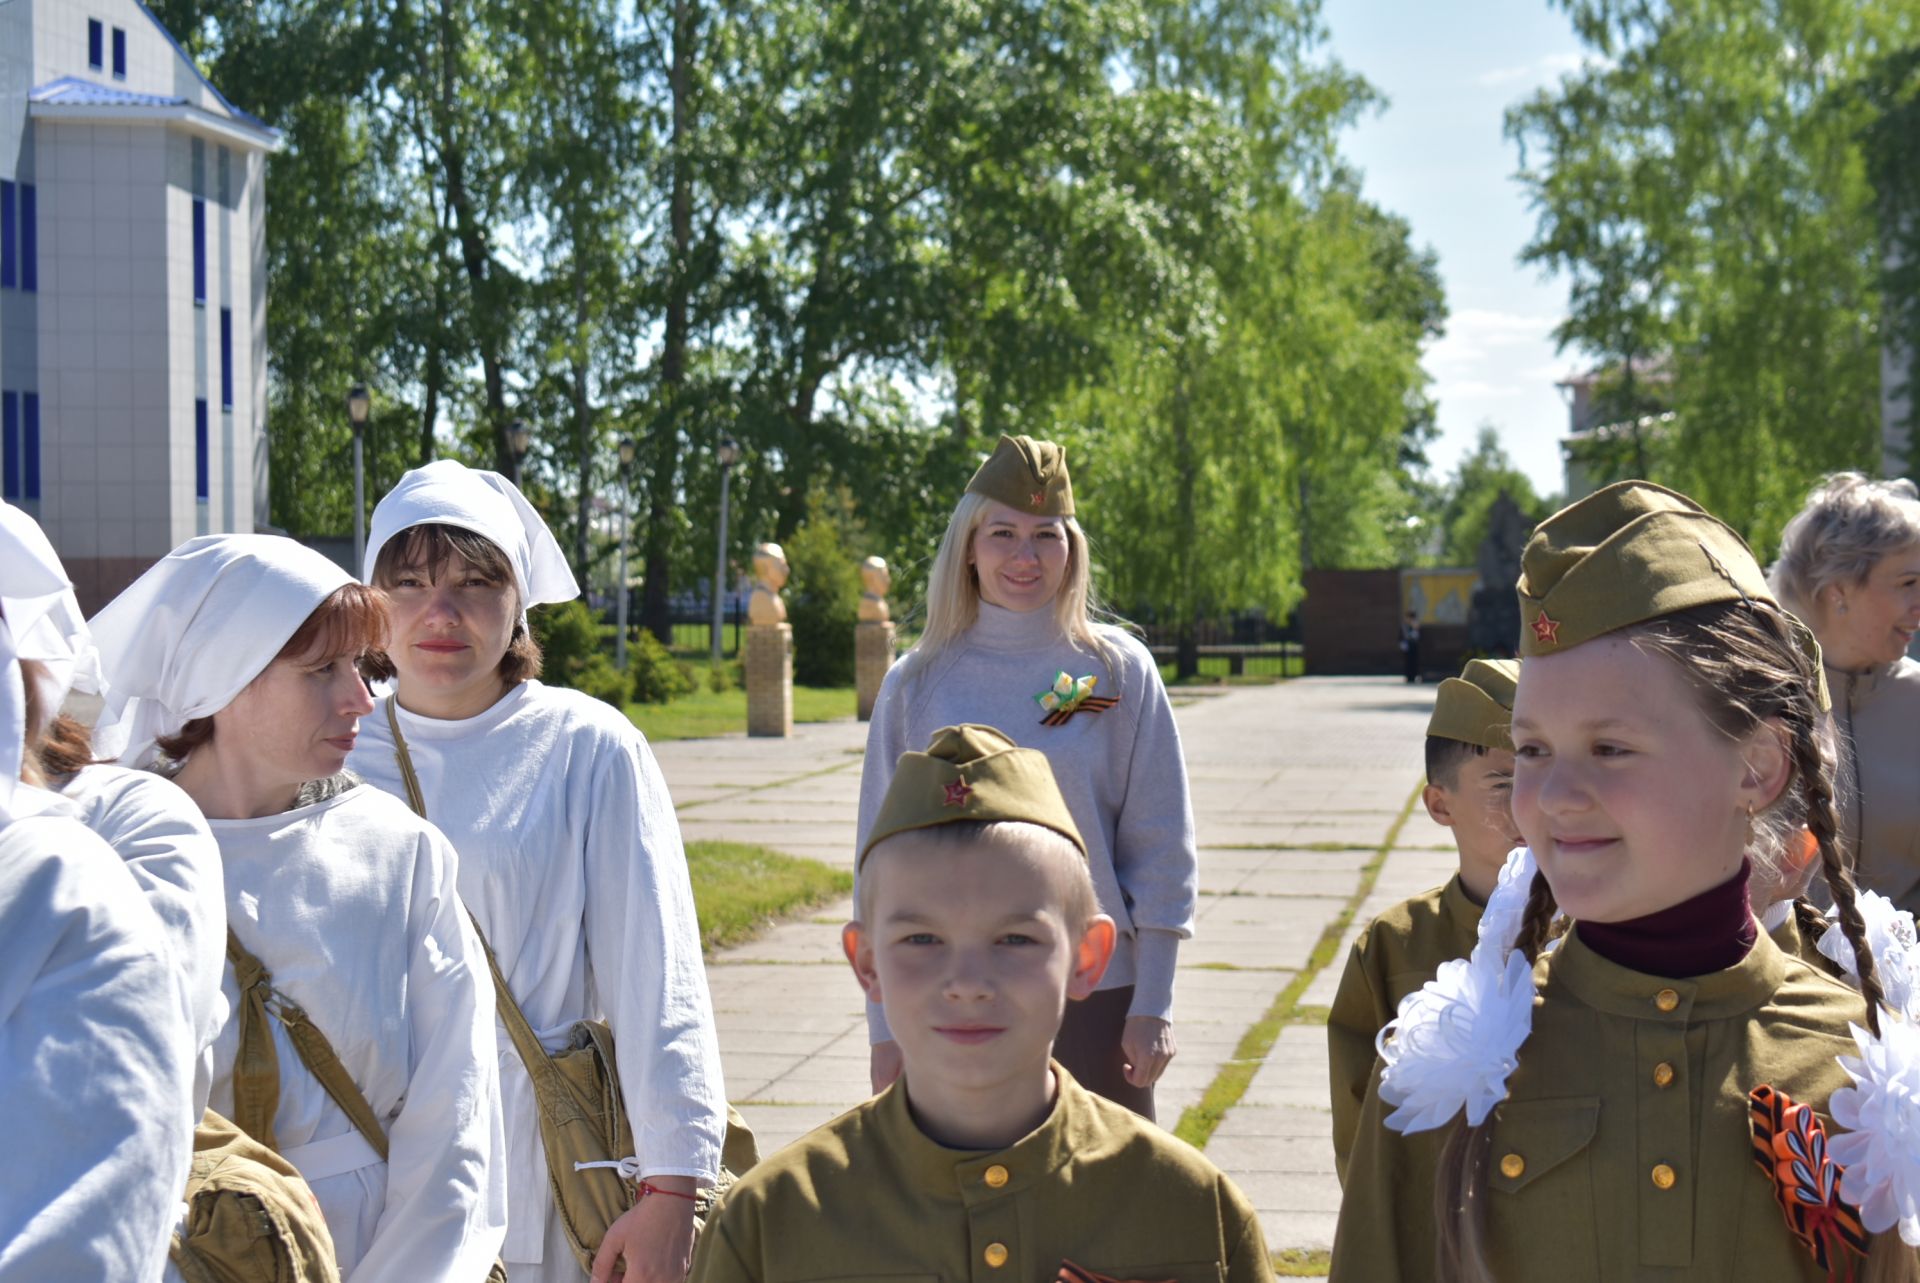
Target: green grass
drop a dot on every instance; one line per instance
(1302, 1263)
(1198, 1123)
(705, 713)
(1259, 672)
(741, 890)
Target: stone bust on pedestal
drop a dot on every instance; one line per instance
(770, 571)
(875, 579)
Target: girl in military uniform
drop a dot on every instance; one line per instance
(1011, 642)
(1651, 1094)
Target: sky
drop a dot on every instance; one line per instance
(1436, 155)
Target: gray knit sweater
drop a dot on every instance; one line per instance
(1122, 772)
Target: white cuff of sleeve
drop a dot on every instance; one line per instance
(1155, 955)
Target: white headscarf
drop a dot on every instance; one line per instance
(451, 494)
(189, 635)
(37, 601)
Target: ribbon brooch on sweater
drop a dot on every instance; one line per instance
(1790, 1146)
(1069, 695)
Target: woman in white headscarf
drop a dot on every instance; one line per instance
(153, 826)
(570, 854)
(95, 1049)
(233, 665)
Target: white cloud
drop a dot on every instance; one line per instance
(1539, 71)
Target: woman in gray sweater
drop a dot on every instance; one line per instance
(1850, 568)
(1010, 641)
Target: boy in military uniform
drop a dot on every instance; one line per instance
(985, 1159)
(1469, 790)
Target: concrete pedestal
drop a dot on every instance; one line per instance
(872, 657)
(769, 665)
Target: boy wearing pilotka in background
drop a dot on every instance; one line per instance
(1469, 790)
(985, 1159)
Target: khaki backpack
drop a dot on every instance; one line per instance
(250, 1217)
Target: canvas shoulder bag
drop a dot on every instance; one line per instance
(584, 1127)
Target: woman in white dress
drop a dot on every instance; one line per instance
(233, 665)
(570, 853)
(95, 1049)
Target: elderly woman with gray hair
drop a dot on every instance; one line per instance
(1850, 567)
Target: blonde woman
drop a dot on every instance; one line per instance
(1850, 567)
(1011, 642)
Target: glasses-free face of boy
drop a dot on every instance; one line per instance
(974, 948)
(1475, 800)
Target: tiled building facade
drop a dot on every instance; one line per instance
(132, 290)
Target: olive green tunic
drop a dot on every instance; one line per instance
(1588, 1136)
(868, 1196)
(1397, 953)
(1794, 943)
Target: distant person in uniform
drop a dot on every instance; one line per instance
(1410, 645)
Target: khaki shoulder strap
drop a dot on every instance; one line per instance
(525, 1040)
(257, 1054)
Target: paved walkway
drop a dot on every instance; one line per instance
(1296, 788)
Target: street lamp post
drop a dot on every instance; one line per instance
(620, 596)
(519, 441)
(729, 454)
(358, 405)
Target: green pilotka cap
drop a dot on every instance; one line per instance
(1026, 474)
(1629, 553)
(972, 773)
(1477, 706)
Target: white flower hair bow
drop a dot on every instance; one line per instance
(1880, 1148)
(1457, 1039)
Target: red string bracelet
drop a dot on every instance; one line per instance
(648, 1187)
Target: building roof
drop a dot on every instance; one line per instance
(76, 98)
(213, 89)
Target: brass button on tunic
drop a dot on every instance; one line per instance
(1663, 1176)
(1663, 1075)
(1513, 1167)
(1666, 1000)
(870, 1196)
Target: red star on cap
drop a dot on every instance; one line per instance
(1546, 630)
(1039, 498)
(958, 792)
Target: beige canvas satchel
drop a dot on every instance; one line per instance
(584, 1127)
(256, 1066)
(250, 1217)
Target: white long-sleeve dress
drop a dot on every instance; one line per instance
(571, 860)
(95, 1063)
(350, 903)
(167, 846)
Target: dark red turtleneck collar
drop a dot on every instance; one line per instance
(1708, 933)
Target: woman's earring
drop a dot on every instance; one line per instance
(1749, 841)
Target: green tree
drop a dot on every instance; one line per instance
(1481, 477)
(1702, 185)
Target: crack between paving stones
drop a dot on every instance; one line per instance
(1199, 1122)
(748, 790)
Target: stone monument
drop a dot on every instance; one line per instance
(1493, 622)
(769, 648)
(873, 635)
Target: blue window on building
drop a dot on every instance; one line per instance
(226, 358)
(30, 443)
(200, 468)
(10, 445)
(9, 261)
(29, 239)
(199, 250)
(96, 44)
(119, 54)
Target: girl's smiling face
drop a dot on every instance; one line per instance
(1631, 798)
